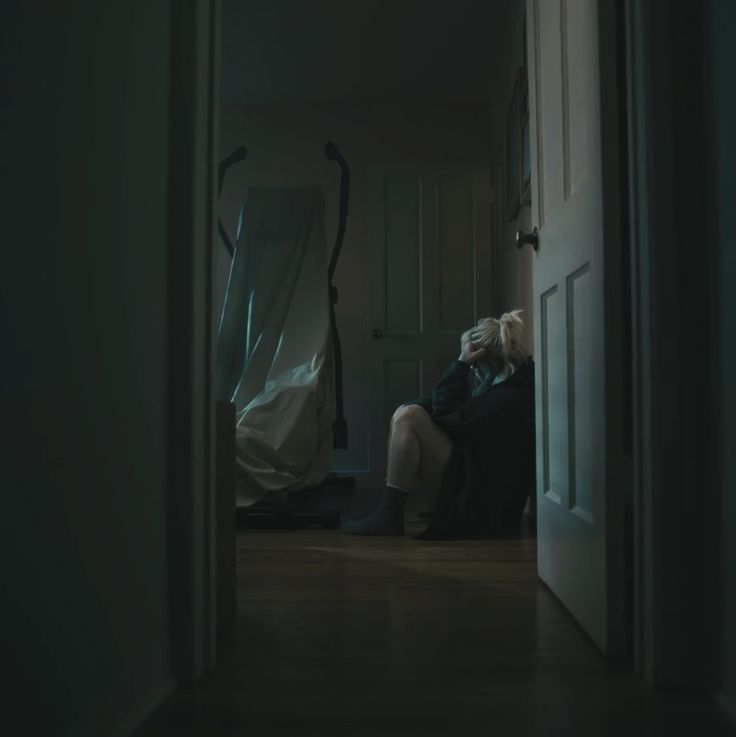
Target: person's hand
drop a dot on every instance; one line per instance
(470, 349)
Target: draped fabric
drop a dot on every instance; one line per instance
(273, 349)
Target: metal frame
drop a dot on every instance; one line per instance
(339, 425)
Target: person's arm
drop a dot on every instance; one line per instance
(454, 387)
(474, 421)
(451, 390)
(494, 419)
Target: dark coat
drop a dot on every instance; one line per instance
(491, 470)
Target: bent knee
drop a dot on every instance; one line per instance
(410, 413)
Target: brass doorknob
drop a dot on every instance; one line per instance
(531, 238)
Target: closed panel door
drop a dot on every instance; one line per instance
(569, 307)
(430, 275)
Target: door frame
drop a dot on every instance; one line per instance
(663, 615)
(191, 542)
(617, 327)
(676, 539)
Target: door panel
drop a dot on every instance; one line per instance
(553, 397)
(455, 247)
(402, 379)
(402, 276)
(569, 308)
(582, 399)
(429, 235)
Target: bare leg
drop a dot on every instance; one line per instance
(418, 451)
(417, 454)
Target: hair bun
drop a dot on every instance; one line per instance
(502, 338)
(512, 317)
(512, 326)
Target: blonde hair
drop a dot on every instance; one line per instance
(502, 340)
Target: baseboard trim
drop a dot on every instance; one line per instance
(727, 702)
(143, 709)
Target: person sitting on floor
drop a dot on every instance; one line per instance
(471, 451)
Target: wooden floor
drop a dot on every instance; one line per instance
(342, 636)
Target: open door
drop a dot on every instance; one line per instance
(580, 543)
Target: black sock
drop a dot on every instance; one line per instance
(394, 498)
(386, 519)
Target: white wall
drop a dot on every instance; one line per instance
(83, 289)
(285, 147)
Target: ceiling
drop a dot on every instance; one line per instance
(323, 50)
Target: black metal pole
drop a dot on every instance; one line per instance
(339, 426)
(239, 154)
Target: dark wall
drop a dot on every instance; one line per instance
(723, 119)
(690, 200)
(84, 129)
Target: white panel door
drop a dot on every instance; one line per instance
(430, 277)
(564, 94)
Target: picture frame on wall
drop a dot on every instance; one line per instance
(518, 151)
(514, 150)
(526, 164)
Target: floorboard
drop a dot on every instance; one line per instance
(394, 637)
